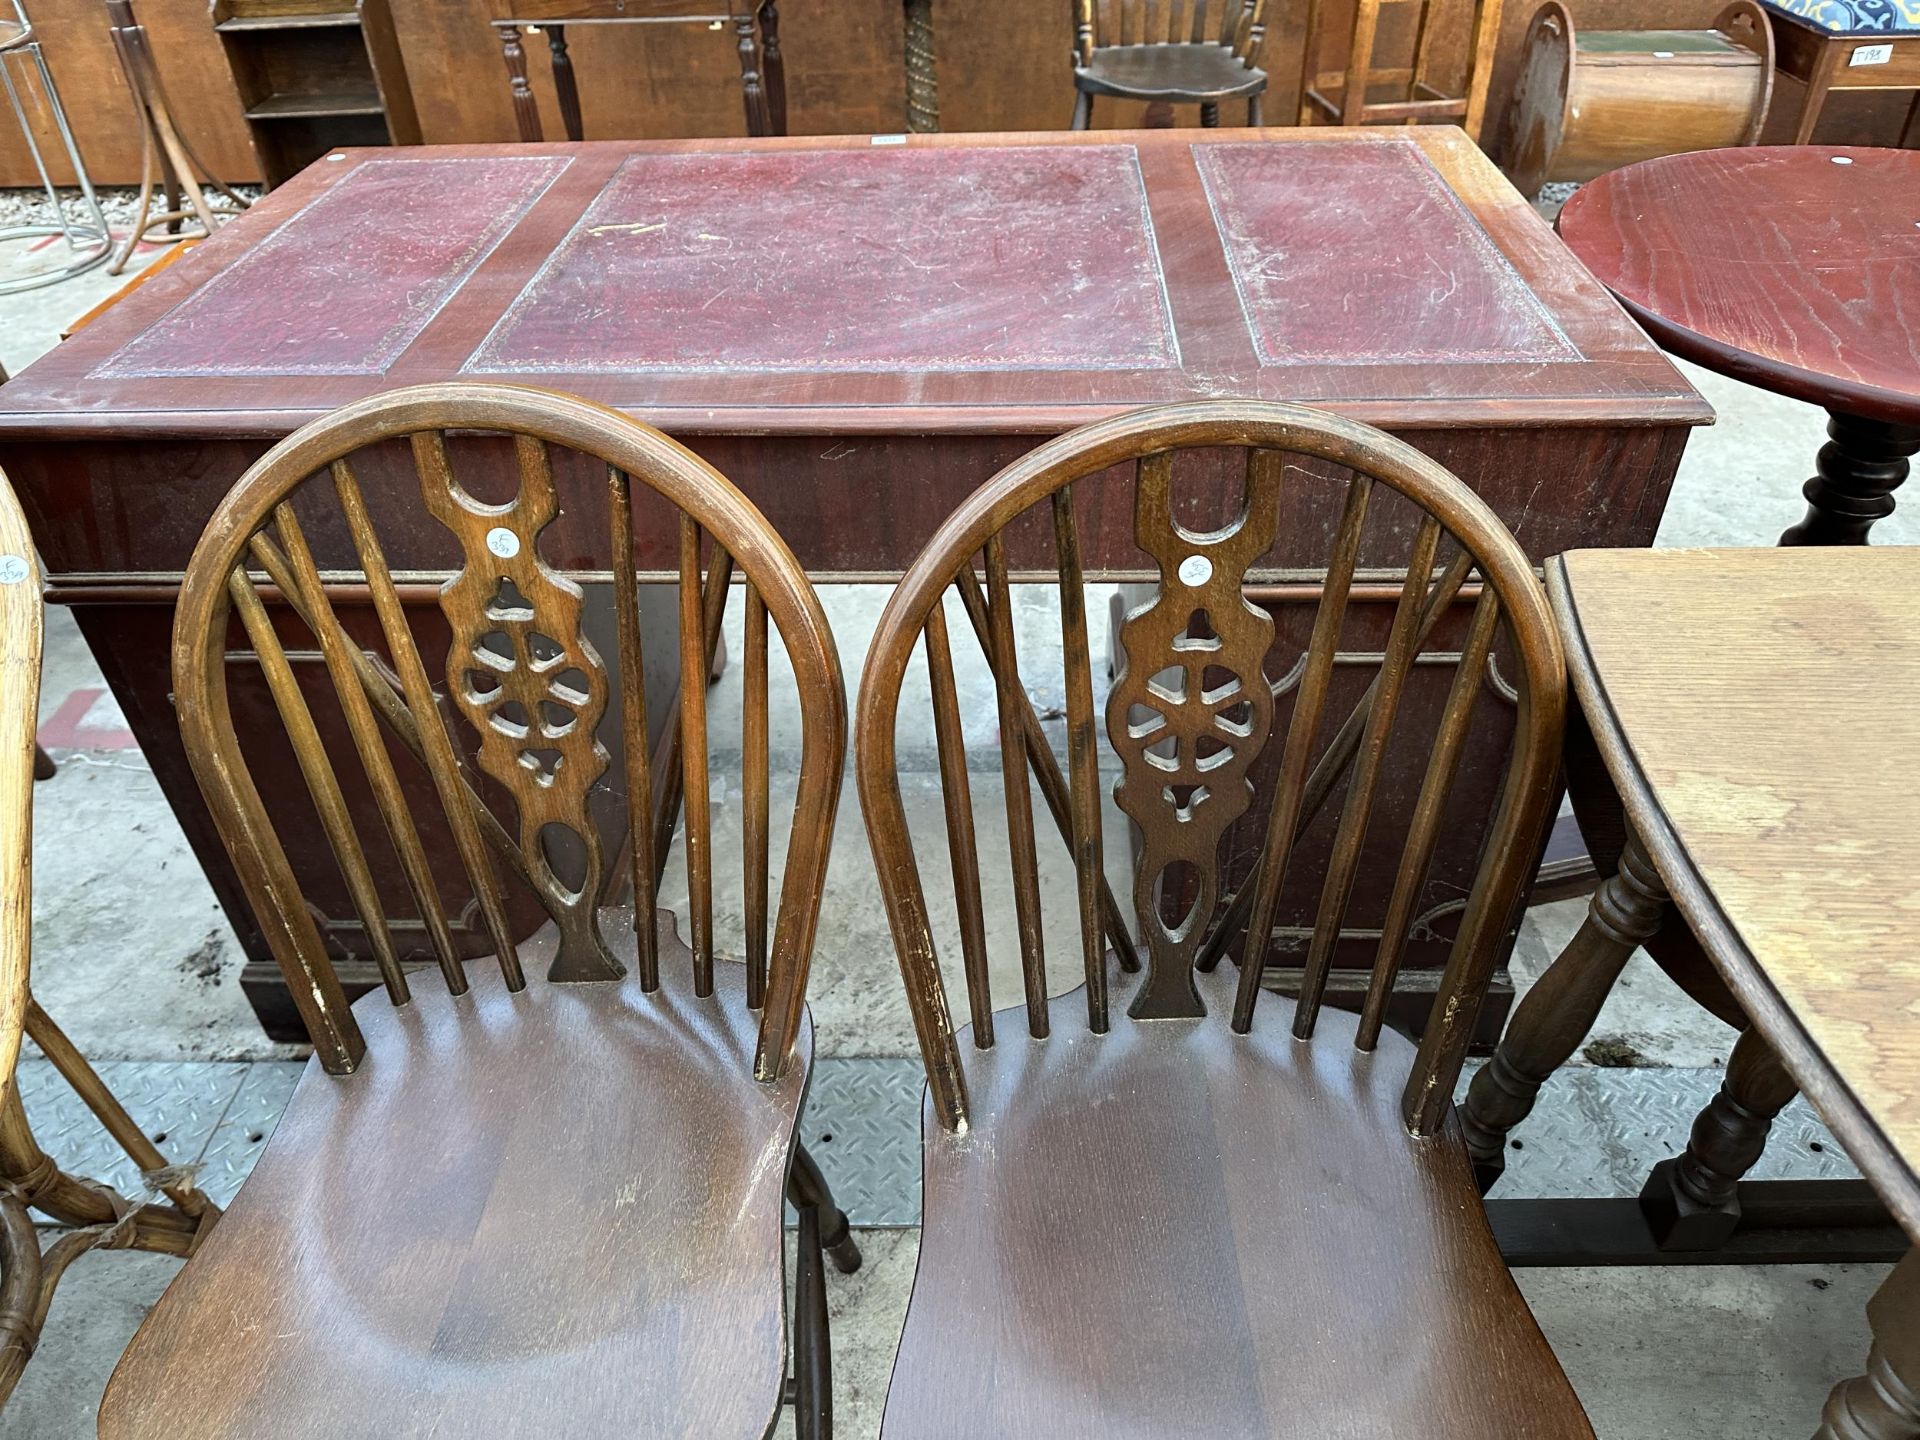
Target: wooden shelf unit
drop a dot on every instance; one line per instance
(313, 77)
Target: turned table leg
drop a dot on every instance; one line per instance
(1692, 1201)
(1884, 1403)
(1560, 1009)
(1857, 471)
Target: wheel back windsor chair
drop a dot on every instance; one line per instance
(172, 1221)
(492, 1202)
(1155, 1208)
(1177, 52)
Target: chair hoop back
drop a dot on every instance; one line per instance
(523, 675)
(1191, 710)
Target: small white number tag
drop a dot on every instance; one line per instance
(1196, 570)
(503, 542)
(13, 569)
(1870, 55)
(888, 140)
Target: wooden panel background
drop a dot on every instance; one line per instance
(99, 106)
(1003, 63)
(1003, 66)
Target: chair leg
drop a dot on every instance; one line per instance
(773, 66)
(1884, 1403)
(812, 1352)
(526, 114)
(1560, 1009)
(1692, 1201)
(1082, 111)
(1253, 112)
(807, 1189)
(43, 766)
(1209, 114)
(565, 88)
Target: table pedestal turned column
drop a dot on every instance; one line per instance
(1884, 1403)
(1856, 473)
(1708, 251)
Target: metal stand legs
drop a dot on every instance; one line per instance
(86, 235)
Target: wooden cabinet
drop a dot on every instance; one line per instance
(312, 77)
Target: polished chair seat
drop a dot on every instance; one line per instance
(1174, 1230)
(557, 1212)
(1185, 73)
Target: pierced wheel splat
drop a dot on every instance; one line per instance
(1188, 713)
(531, 684)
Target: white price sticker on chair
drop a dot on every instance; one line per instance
(1196, 570)
(13, 569)
(1870, 55)
(503, 542)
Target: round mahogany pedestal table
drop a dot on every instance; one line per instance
(1794, 268)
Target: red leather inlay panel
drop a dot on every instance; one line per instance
(881, 259)
(346, 284)
(1355, 254)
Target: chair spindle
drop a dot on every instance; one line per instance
(322, 784)
(1013, 769)
(1403, 644)
(633, 728)
(437, 744)
(963, 853)
(1083, 754)
(695, 799)
(337, 650)
(669, 775)
(381, 689)
(1333, 762)
(1424, 829)
(1046, 769)
(1283, 817)
(755, 815)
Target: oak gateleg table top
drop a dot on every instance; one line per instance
(1759, 712)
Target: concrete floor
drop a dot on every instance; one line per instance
(135, 960)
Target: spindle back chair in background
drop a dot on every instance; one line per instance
(1176, 52)
(1163, 1211)
(492, 1202)
(176, 1215)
